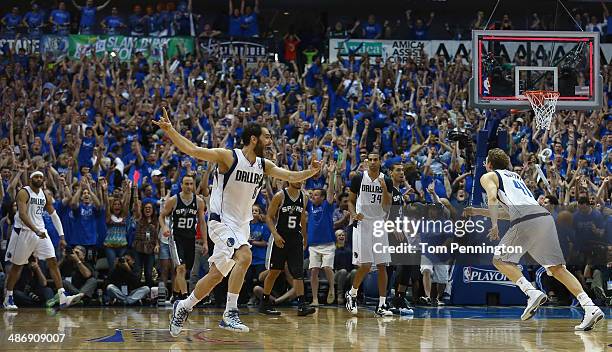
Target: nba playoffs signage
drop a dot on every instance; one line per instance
(402, 50)
(250, 51)
(476, 285)
(474, 275)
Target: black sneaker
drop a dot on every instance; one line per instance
(304, 310)
(267, 309)
(425, 301)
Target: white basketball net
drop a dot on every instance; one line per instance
(543, 104)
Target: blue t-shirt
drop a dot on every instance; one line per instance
(320, 223)
(34, 19)
(313, 71)
(372, 30)
(234, 26)
(60, 17)
(259, 232)
(85, 225)
(250, 24)
(113, 22)
(88, 16)
(12, 20)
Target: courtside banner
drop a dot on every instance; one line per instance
(403, 50)
(123, 46)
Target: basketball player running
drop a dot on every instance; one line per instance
(30, 237)
(533, 228)
(286, 218)
(238, 180)
(186, 210)
(368, 196)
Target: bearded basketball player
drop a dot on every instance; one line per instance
(532, 228)
(238, 180)
(30, 237)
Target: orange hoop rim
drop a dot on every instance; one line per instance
(538, 97)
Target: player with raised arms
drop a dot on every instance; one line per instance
(238, 180)
(532, 228)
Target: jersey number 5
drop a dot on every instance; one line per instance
(291, 222)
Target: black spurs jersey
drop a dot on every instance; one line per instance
(185, 217)
(397, 204)
(289, 222)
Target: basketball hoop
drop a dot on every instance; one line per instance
(543, 103)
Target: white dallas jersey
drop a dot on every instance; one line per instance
(369, 199)
(514, 194)
(234, 193)
(36, 206)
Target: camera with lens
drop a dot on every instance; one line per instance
(69, 250)
(464, 138)
(121, 260)
(460, 135)
(200, 83)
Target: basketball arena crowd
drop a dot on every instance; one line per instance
(86, 122)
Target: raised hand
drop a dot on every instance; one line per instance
(164, 122)
(315, 164)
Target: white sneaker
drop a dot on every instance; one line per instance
(535, 300)
(67, 301)
(592, 315)
(383, 311)
(351, 303)
(9, 303)
(178, 318)
(231, 321)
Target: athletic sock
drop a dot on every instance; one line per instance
(524, 285)
(265, 299)
(382, 301)
(9, 293)
(399, 294)
(584, 299)
(190, 301)
(353, 292)
(232, 302)
(300, 300)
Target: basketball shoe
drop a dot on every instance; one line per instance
(231, 321)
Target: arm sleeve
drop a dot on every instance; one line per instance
(356, 183)
(57, 223)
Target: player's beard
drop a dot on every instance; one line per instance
(259, 149)
(37, 184)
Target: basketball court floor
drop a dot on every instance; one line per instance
(331, 328)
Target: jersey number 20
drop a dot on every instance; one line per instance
(185, 223)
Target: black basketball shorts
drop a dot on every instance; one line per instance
(292, 254)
